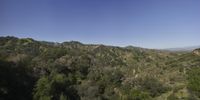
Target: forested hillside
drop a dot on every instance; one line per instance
(40, 70)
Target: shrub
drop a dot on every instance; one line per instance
(194, 81)
(153, 86)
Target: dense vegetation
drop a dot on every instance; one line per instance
(39, 70)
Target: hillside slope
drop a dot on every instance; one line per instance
(40, 70)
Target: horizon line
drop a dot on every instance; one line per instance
(43, 40)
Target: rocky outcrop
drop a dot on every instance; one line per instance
(197, 52)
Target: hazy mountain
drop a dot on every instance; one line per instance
(189, 48)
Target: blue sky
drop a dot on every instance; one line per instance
(144, 23)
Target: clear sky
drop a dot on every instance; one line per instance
(144, 23)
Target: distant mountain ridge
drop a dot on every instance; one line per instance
(189, 48)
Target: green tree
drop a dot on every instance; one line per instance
(55, 87)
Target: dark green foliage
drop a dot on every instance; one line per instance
(53, 53)
(131, 93)
(81, 65)
(172, 97)
(55, 87)
(16, 82)
(138, 95)
(153, 86)
(194, 81)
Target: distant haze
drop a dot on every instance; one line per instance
(191, 48)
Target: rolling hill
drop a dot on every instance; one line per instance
(40, 70)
